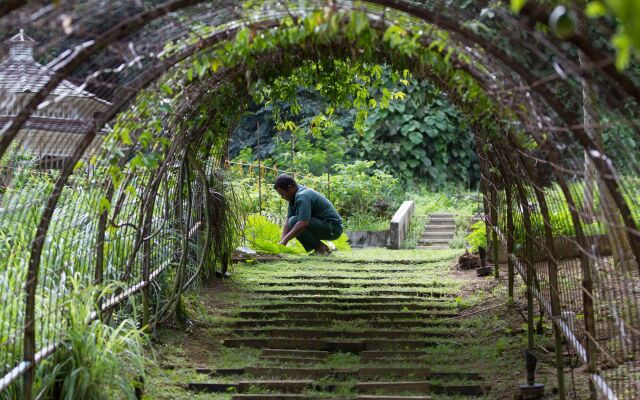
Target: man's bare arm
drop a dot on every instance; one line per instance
(298, 228)
(285, 229)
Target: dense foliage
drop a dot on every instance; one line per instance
(412, 137)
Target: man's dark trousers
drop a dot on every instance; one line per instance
(316, 230)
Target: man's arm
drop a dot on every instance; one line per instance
(298, 228)
(285, 228)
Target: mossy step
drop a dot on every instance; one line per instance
(355, 306)
(291, 360)
(390, 354)
(422, 387)
(358, 299)
(297, 386)
(370, 315)
(377, 292)
(298, 353)
(345, 346)
(394, 387)
(360, 276)
(220, 371)
(316, 373)
(326, 323)
(289, 372)
(394, 398)
(335, 284)
(284, 292)
(270, 396)
(328, 333)
(396, 361)
(287, 386)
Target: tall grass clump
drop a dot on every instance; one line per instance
(96, 360)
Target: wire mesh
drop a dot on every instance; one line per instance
(559, 174)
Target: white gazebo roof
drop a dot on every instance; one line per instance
(21, 73)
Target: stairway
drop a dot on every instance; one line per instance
(350, 331)
(438, 232)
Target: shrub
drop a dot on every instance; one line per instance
(477, 238)
(459, 239)
(96, 360)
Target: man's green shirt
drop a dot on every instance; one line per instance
(308, 203)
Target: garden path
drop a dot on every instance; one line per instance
(369, 324)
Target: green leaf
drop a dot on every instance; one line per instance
(104, 205)
(596, 9)
(622, 43)
(516, 5)
(415, 137)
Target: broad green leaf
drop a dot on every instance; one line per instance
(516, 5)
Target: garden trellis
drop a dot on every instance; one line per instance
(555, 123)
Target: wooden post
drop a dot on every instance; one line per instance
(510, 244)
(494, 233)
(259, 173)
(552, 265)
(102, 227)
(526, 218)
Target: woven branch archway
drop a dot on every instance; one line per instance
(559, 104)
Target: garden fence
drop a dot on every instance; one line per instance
(136, 100)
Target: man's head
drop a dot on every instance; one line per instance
(286, 187)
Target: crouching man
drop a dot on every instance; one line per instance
(311, 217)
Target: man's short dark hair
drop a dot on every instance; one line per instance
(284, 181)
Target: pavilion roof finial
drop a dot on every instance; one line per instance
(21, 47)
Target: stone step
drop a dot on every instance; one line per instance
(394, 398)
(298, 386)
(441, 221)
(328, 333)
(296, 353)
(327, 323)
(354, 299)
(386, 315)
(287, 386)
(394, 387)
(424, 241)
(422, 387)
(353, 346)
(440, 228)
(422, 247)
(370, 293)
(367, 373)
(355, 307)
(443, 215)
(355, 285)
(366, 355)
(270, 396)
(328, 275)
(289, 372)
(291, 360)
(437, 235)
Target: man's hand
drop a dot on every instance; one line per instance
(283, 242)
(300, 226)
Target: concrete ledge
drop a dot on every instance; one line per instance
(368, 238)
(400, 224)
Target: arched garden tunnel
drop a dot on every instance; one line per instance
(140, 208)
